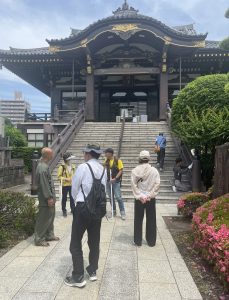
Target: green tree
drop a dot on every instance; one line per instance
(224, 45)
(200, 117)
(17, 138)
(204, 92)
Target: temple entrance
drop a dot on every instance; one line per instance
(130, 97)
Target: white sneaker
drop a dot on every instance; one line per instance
(174, 188)
(123, 217)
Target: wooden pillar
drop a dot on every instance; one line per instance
(55, 99)
(90, 99)
(163, 95)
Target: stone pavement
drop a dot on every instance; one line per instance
(125, 272)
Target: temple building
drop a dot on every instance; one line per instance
(126, 62)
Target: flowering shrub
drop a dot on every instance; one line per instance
(210, 226)
(188, 203)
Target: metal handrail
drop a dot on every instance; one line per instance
(65, 138)
(121, 136)
(182, 148)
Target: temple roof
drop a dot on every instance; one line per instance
(130, 14)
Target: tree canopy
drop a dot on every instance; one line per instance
(17, 138)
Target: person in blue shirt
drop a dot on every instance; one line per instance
(161, 142)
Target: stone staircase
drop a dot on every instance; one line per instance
(137, 137)
(141, 136)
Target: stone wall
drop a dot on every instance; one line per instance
(11, 176)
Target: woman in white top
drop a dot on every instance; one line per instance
(145, 182)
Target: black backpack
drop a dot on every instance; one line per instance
(95, 203)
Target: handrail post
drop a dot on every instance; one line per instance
(35, 158)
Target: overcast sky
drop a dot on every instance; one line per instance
(27, 23)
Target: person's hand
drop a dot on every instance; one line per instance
(51, 202)
(67, 179)
(190, 166)
(148, 198)
(112, 180)
(143, 199)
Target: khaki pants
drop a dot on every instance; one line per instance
(44, 228)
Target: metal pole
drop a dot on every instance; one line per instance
(35, 158)
(112, 199)
(180, 72)
(196, 173)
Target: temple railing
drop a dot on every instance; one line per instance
(38, 117)
(187, 157)
(184, 152)
(65, 138)
(121, 136)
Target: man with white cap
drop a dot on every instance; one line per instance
(65, 173)
(145, 182)
(83, 185)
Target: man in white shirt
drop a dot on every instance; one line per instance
(145, 182)
(81, 186)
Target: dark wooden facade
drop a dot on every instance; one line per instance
(126, 60)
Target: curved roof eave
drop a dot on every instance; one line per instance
(32, 51)
(116, 19)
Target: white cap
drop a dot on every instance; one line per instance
(144, 154)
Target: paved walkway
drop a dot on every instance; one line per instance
(125, 272)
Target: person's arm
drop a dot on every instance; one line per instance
(77, 181)
(155, 188)
(45, 186)
(134, 185)
(60, 173)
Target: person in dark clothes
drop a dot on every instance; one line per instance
(178, 171)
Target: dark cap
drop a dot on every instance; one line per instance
(109, 150)
(67, 156)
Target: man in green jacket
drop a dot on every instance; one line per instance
(44, 229)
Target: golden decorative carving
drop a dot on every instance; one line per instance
(164, 68)
(83, 43)
(54, 49)
(125, 27)
(200, 44)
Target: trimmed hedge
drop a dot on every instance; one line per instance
(188, 203)
(25, 153)
(17, 216)
(211, 235)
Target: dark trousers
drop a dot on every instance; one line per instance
(65, 191)
(161, 157)
(151, 230)
(79, 225)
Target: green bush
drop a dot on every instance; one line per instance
(188, 203)
(199, 95)
(17, 216)
(25, 153)
(200, 118)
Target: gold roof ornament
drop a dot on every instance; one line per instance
(200, 44)
(125, 27)
(83, 43)
(54, 49)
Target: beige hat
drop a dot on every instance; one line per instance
(144, 154)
